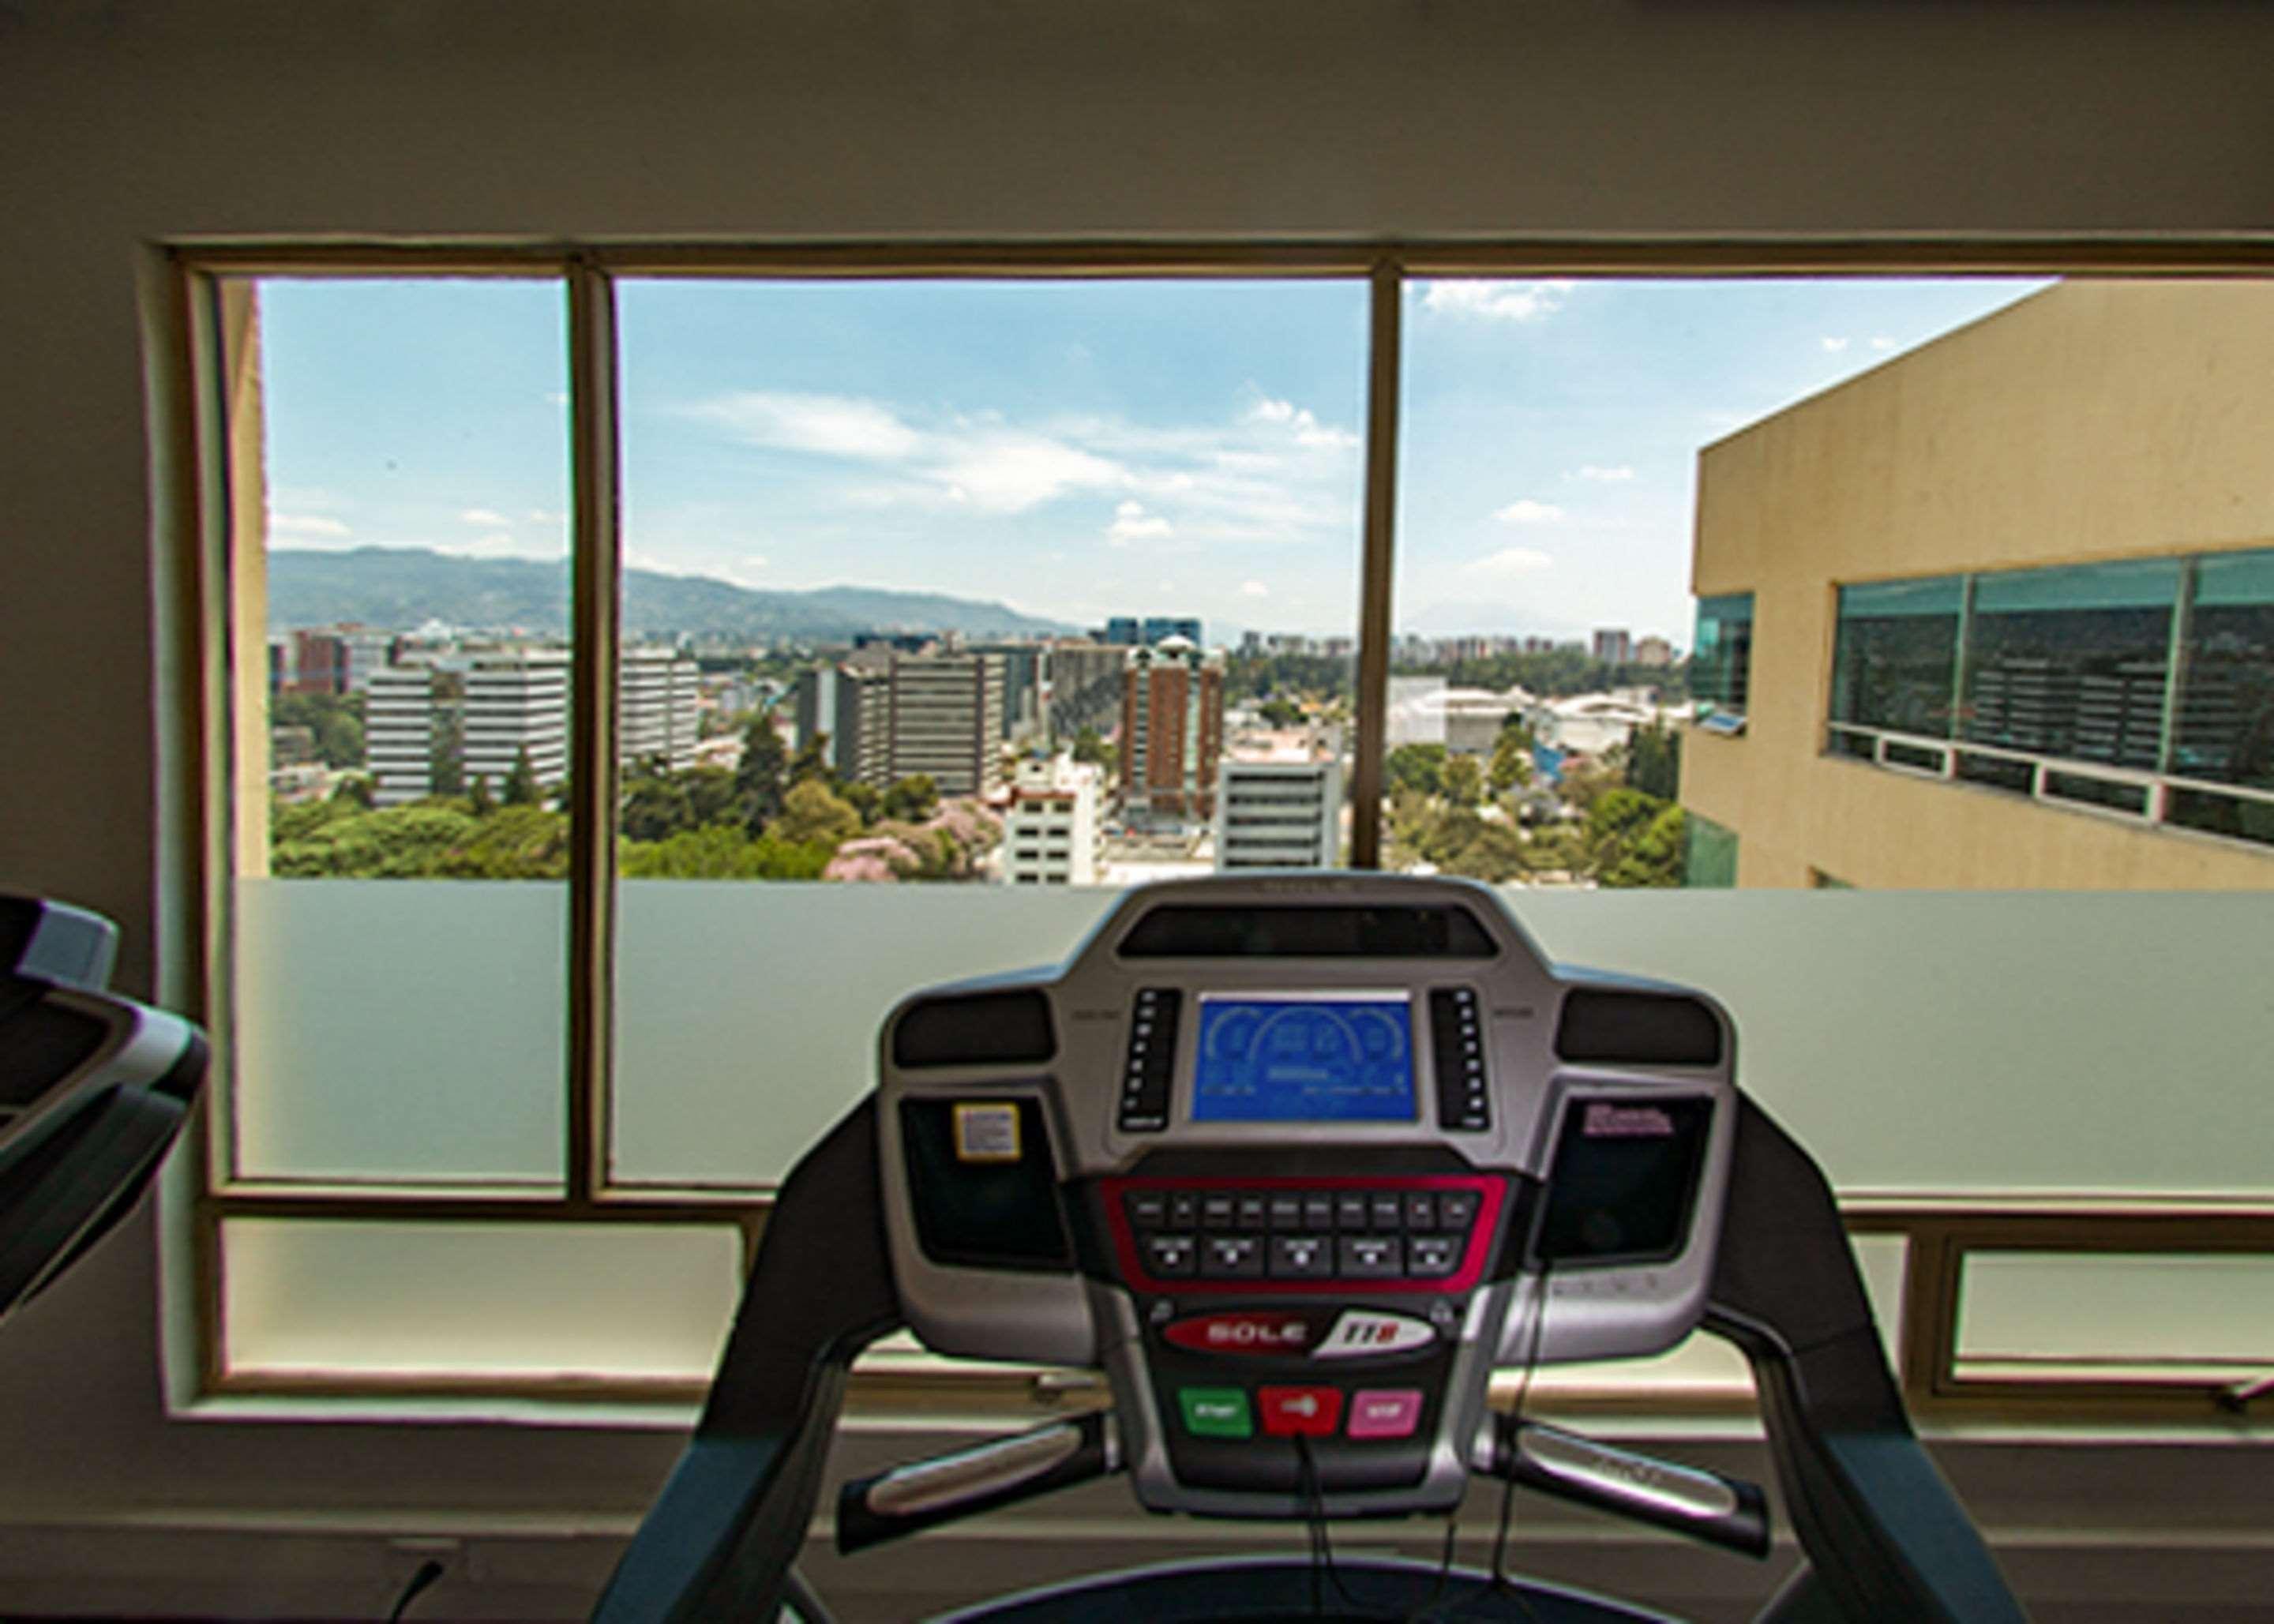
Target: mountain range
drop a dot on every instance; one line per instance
(397, 588)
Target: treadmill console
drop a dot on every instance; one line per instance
(1298, 1160)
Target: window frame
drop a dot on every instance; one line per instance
(195, 380)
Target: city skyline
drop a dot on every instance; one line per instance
(1077, 449)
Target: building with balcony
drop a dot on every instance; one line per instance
(657, 700)
(945, 720)
(851, 706)
(398, 734)
(1171, 732)
(1999, 614)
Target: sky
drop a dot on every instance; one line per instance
(1078, 449)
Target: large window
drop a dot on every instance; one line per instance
(1721, 662)
(2072, 686)
(568, 599)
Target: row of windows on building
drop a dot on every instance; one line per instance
(2141, 686)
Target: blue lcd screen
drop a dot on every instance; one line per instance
(1264, 1059)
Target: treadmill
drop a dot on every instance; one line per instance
(93, 1089)
(1298, 1161)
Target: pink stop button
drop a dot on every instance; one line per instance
(1385, 1412)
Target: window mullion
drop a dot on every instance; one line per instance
(596, 547)
(1383, 377)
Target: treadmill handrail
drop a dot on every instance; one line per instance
(1884, 1532)
(720, 1540)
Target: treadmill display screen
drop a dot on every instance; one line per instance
(1348, 1057)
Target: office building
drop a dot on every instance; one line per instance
(851, 706)
(1050, 828)
(1279, 814)
(656, 704)
(1171, 732)
(1653, 652)
(945, 721)
(516, 710)
(1084, 688)
(398, 734)
(2000, 613)
(1614, 645)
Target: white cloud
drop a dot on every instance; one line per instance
(1010, 471)
(1833, 346)
(1497, 301)
(1254, 588)
(321, 524)
(1302, 423)
(1883, 342)
(1508, 564)
(505, 544)
(1131, 523)
(831, 424)
(487, 517)
(1614, 475)
(545, 515)
(1525, 511)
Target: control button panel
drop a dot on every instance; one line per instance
(1457, 1043)
(1302, 1411)
(1430, 1233)
(1151, 1061)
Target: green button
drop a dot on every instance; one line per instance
(1216, 1412)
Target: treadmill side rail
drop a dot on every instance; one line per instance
(1884, 1534)
(720, 1538)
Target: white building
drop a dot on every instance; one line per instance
(517, 704)
(1281, 813)
(1590, 723)
(657, 693)
(398, 734)
(1417, 711)
(1050, 833)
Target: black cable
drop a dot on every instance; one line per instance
(428, 1572)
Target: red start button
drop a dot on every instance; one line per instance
(1251, 1332)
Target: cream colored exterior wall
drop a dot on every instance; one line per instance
(2094, 420)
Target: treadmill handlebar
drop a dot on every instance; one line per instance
(1004, 1471)
(1704, 1505)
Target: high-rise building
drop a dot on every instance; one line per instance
(517, 706)
(1653, 652)
(1084, 688)
(1171, 732)
(1024, 665)
(946, 720)
(850, 706)
(1279, 815)
(1614, 645)
(1050, 833)
(398, 733)
(656, 708)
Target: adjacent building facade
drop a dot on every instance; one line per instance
(398, 734)
(2000, 613)
(850, 707)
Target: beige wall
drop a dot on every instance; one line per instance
(1362, 119)
(2094, 420)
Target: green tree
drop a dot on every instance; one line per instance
(812, 815)
(1464, 780)
(1090, 748)
(812, 763)
(480, 801)
(1616, 825)
(1281, 713)
(516, 842)
(1496, 853)
(355, 789)
(911, 800)
(1418, 767)
(865, 799)
(521, 788)
(1654, 857)
(1654, 761)
(761, 779)
(1511, 757)
(335, 720)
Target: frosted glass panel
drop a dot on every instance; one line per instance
(1977, 1043)
(488, 1299)
(747, 1015)
(2201, 1307)
(401, 1029)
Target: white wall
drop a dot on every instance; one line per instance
(120, 124)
